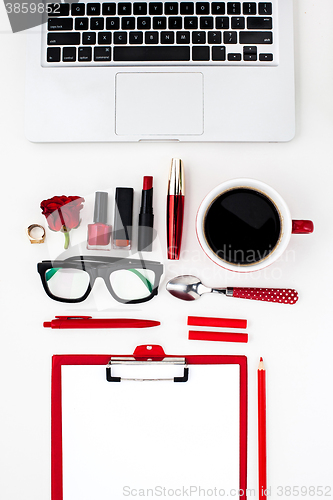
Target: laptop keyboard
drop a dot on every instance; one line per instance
(160, 33)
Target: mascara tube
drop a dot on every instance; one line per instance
(146, 216)
(175, 209)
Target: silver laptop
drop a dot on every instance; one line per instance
(162, 71)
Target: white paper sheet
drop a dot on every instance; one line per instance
(150, 439)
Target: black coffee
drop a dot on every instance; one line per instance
(242, 226)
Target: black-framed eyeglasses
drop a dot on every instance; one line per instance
(129, 281)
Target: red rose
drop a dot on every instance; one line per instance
(62, 213)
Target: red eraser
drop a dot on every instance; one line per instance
(218, 336)
(216, 322)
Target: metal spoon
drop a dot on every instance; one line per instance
(190, 288)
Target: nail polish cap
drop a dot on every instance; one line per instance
(101, 207)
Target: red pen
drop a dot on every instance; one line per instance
(262, 451)
(175, 208)
(89, 322)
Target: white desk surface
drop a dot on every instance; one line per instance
(295, 341)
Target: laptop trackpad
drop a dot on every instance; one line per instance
(152, 104)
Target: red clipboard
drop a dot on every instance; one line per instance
(153, 353)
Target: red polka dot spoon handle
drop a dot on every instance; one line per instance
(191, 288)
(282, 295)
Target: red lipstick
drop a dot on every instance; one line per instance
(175, 208)
(146, 217)
(147, 182)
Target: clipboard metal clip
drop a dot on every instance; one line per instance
(147, 360)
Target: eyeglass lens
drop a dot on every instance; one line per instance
(67, 283)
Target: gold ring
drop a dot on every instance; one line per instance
(31, 238)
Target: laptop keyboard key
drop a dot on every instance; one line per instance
(250, 49)
(251, 37)
(151, 37)
(97, 23)
(155, 8)
(206, 23)
(183, 37)
(78, 9)
(237, 23)
(234, 8)
(202, 8)
(102, 54)
(69, 54)
(81, 23)
(190, 23)
(88, 38)
(120, 37)
(160, 53)
(144, 23)
(199, 37)
(265, 57)
(93, 9)
(63, 38)
(175, 23)
(230, 37)
(128, 23)
(84, 54)
(140, 9)
(250, 57)
(167, 37)
(259, 23)
(222, 23)
(218, 8)
(249, 8)
(200, 53)
(171, 8)
(159, 23)
(124, 9)
(53, 54)
(109, 9)
(214, 37)
(104, 38)
(136, 37)
(60, 24)
(187, 8)
(265, 8)
(112, 23)
(218, 53)
(234, 57)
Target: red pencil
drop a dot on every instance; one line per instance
(262, 453)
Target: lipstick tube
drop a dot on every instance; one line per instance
(146, 217)
(175, 208)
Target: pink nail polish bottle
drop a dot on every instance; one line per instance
(99, 233)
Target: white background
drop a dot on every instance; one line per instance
(295, 341)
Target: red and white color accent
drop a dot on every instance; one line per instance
(289, 226)
(281, 295)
